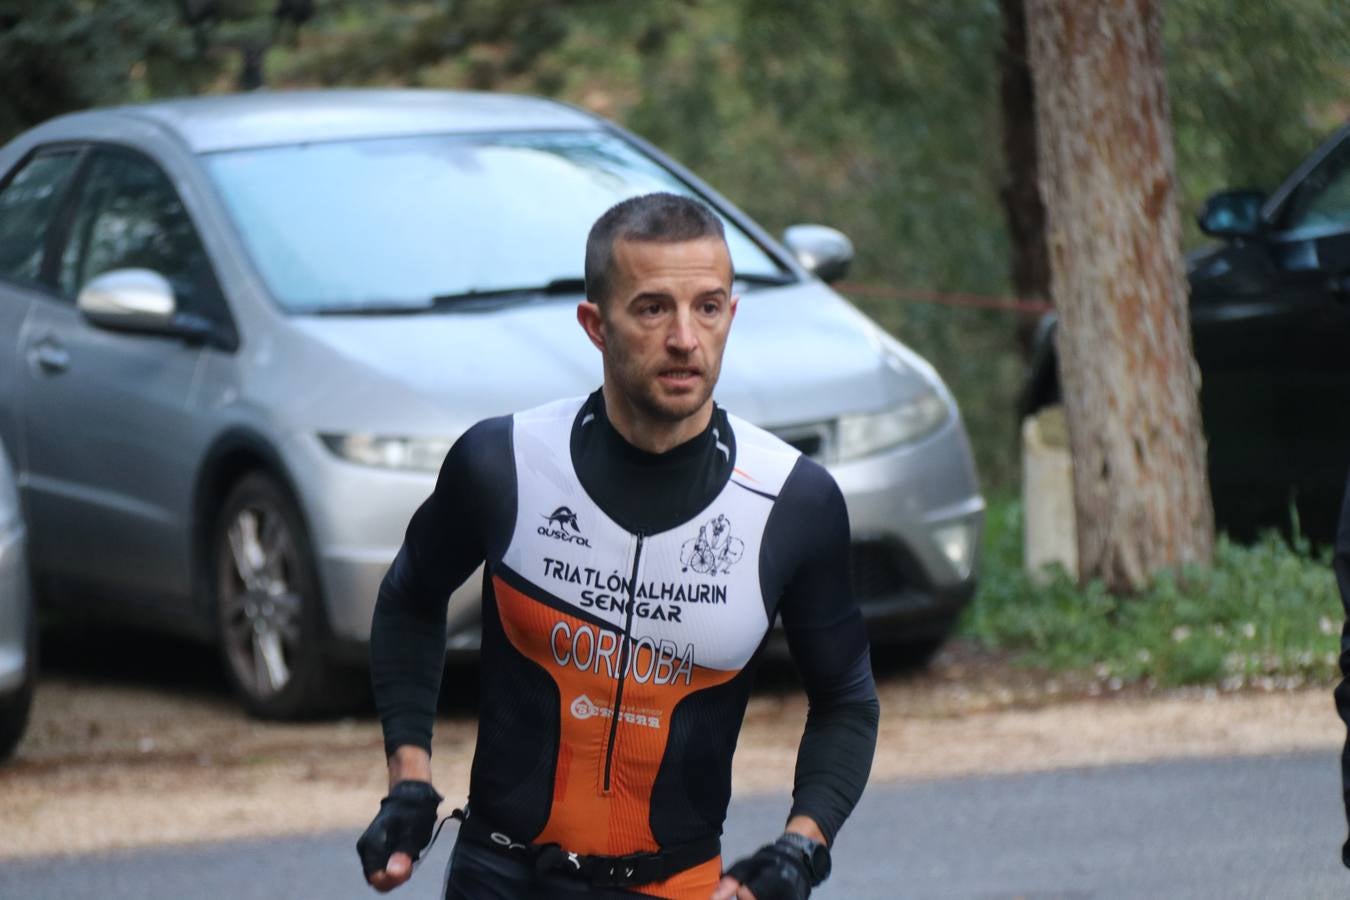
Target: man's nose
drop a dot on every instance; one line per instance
(682, 337)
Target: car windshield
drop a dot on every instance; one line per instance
(402, 223)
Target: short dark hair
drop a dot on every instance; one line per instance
(660, 218)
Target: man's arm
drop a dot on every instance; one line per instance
(469, 513)
(1341, 564)
(828, 641)
(409, 763)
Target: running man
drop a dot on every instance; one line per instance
(638, 545)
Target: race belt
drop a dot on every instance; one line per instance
(597, 871)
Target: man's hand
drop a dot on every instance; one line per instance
(401, 830)
(394, 873)
(774, 872)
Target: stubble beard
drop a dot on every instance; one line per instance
(643, 391)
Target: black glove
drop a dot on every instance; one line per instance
(403, 825)
(782, 870)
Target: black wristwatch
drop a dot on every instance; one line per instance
(815, 854)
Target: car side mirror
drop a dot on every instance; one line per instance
(1233, 214)
(140, 300)
(129, 300)
(824, 252)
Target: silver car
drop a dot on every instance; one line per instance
(240, 334)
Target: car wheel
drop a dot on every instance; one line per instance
(268, 607)
(14, 707)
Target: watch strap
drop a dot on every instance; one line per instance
(815, 854)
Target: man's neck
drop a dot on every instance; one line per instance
(646, 433)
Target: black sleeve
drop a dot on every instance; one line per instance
(469, 514)
(1341, 563)
(828, 641)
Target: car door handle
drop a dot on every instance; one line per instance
(50, 356)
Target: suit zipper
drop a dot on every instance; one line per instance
(623, 661)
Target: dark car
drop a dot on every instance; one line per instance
(1270, 318)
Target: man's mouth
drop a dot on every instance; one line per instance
(679, 375)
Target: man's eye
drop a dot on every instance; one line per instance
(712, 308)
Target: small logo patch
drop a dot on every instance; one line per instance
(583, 708)
(558, 524)
(714, 550)
(563, 517)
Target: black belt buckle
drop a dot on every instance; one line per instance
(622, 871)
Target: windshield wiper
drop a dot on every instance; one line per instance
(758, 279)
(472, 298)
(368, 309)
(554, 288)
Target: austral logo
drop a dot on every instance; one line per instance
(714, 550)
(559, 521)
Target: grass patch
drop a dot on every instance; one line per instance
(1266, 615)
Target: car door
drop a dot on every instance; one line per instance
(1311, 248)
(109, 467)
(1236, 317)
(31, 198)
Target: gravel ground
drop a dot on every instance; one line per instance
(146, 747)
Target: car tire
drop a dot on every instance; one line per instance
(918, 654)
(914, 654)
(269, 608)
(14, 707)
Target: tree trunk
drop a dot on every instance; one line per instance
(1129, 381)
(1021, 193)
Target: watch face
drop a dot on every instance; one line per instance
(815, 854)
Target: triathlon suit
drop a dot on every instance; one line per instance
(626, 596)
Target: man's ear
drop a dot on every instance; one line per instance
(592, 322)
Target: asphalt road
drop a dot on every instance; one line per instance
(1229, 828)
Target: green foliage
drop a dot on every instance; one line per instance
(473, 43)
(1254, 87)
(1267, 614)
(62, 55)
(58, 56)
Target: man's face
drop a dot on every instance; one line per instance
(665, 324)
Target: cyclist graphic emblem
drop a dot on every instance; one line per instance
(714, 550)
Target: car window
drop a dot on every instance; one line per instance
(399, 221)
(28, 204)
(1323, 198)
(128, 215)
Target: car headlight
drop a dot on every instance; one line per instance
(861, 434)
(415, 454)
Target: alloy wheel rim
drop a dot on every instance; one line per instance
(260, 608)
